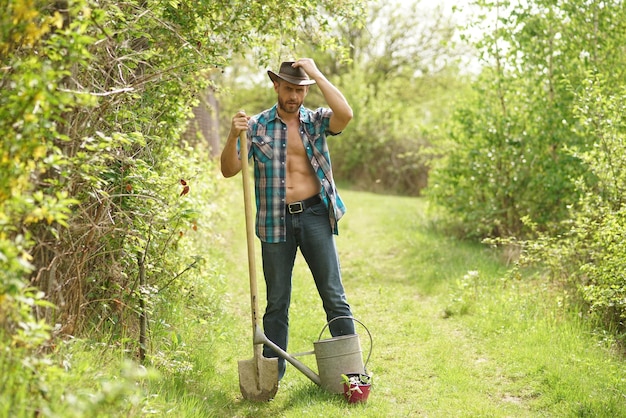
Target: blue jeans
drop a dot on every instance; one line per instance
(309, 230)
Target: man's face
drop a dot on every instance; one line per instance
(290, 96)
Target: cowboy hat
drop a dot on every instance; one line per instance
(291, 75)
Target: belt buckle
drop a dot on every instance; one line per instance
(296, 207)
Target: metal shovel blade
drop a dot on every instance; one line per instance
(258, 378)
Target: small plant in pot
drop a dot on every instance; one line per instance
(356, 386)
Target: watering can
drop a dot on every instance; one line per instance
(335, 356)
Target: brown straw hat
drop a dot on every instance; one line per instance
(291, 75)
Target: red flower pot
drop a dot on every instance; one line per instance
(356, 391)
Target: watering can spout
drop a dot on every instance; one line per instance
(260, 338)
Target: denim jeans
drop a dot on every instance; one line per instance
(310, 230)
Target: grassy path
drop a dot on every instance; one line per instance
(452, 338)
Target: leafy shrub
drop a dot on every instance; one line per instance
(598, 221)
(588, 256)
(509, 157)
(93, 99)
(507, 160)
(384, 149)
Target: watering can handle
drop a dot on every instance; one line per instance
(362, 324)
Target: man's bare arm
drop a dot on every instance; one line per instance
(229, 160)
(342, 112)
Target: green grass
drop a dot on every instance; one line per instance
(452, 335)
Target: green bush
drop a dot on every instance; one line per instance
(587, 257)
(509, 157)
(598, 221)
(93, 100)
(537, 155)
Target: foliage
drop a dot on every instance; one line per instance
(403, 77)
(509, 157)
(93, 98)
(93, 381)
(588, 256)
(31, 107)
(599, 223)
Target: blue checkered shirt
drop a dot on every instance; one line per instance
(267, 144)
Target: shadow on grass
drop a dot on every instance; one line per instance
(298, 397)
(307, 395)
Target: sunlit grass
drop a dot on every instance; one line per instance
(452, 335)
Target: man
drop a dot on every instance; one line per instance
(296, 198)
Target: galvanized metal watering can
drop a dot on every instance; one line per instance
(335, 356)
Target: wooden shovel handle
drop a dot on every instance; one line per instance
(247, 202)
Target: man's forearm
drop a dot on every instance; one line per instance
(229, 160)
(230, 163)
(342, 112)
(335, 100)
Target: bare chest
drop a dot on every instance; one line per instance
(302, 182)
(295, 146)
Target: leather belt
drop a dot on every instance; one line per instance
(300, 206)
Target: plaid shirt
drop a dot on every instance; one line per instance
(267, 144)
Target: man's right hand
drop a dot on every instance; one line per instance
(239, 123)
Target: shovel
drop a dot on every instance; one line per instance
(258, 377)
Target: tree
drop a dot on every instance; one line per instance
(405, 78)
(538, 156)
(511, 153)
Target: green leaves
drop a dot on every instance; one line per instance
(94, 98)
(511, 157)
(539, 150)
